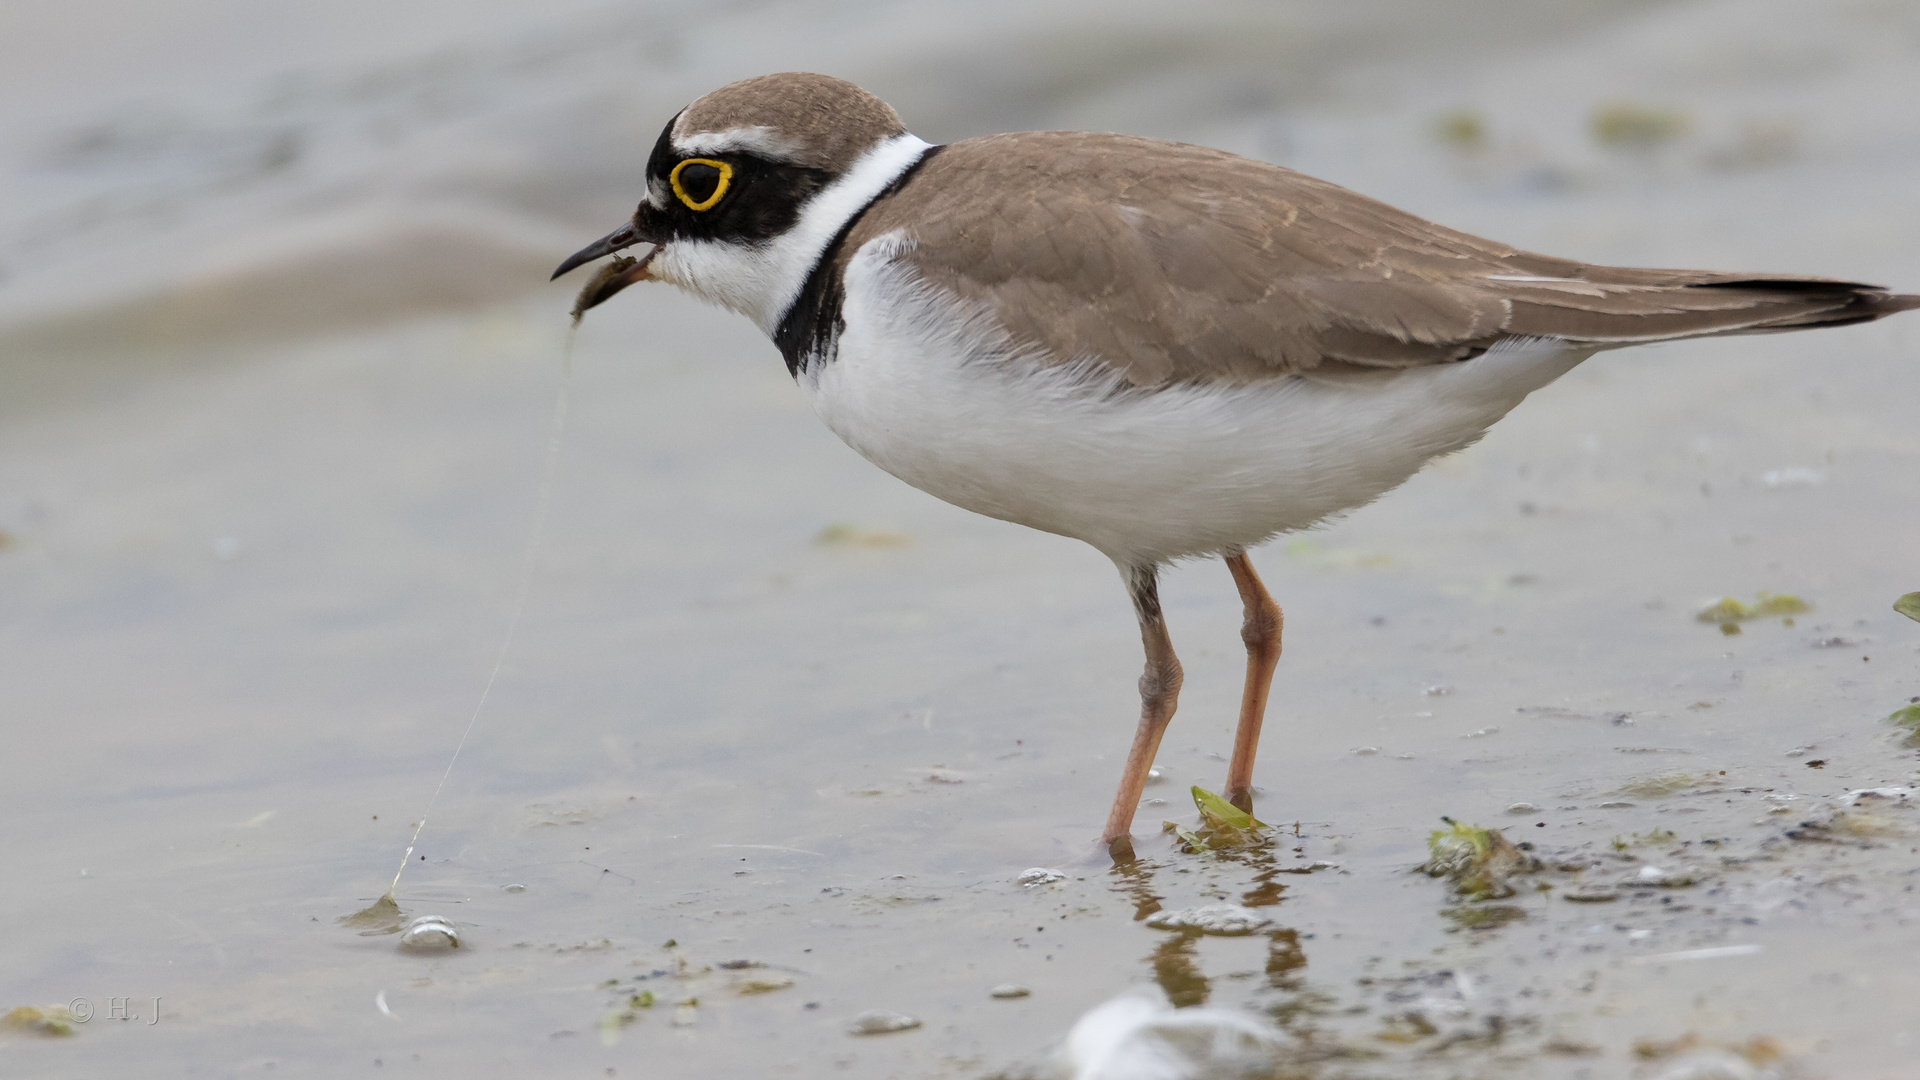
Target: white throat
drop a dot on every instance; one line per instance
(761, 281)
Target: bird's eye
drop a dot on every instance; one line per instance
(699, 182)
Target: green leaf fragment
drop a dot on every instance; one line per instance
(1193, 841)
(1909, 605)
(1780, 604)
(1728, 610)
(1729, 613)
(1218, 813)
(1625, 125)
(1909, 718)
(53, 1020)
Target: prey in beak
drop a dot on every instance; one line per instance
(623, 271)
(616, 275)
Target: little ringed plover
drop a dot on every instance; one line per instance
(1164, 350)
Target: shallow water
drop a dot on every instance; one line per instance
(265, 474)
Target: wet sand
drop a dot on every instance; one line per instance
(770, 705)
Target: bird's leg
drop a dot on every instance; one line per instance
(1260, 630)
(1159, 693)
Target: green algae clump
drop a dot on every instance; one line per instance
(1480, 863)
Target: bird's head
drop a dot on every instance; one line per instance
(749, 184)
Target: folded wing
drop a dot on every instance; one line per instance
(1170, 262)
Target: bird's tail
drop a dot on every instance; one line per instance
(1607, 306)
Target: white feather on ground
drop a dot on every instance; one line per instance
(1137, 1037)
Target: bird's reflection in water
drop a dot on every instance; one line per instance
(1175, 960)
(1285, 958)
(1134, 878)
(1177, 969)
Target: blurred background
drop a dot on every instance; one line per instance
(209, 169)
(277, 358)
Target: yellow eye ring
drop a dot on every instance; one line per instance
(719, 188)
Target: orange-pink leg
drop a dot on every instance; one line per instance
(1260, 630)
(1159, 693)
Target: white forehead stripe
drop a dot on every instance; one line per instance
(758, 139)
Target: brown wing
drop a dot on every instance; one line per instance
(1176, 262)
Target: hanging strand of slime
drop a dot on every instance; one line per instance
(542, 502)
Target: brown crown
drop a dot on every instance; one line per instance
(826, 123)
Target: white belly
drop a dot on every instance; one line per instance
(934, 395)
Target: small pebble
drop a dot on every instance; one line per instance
(880, 1022)
(429, 933)
(514, 888)
(1008, 991)
(1522, 808)
(1039, 875)
(1664, 878)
